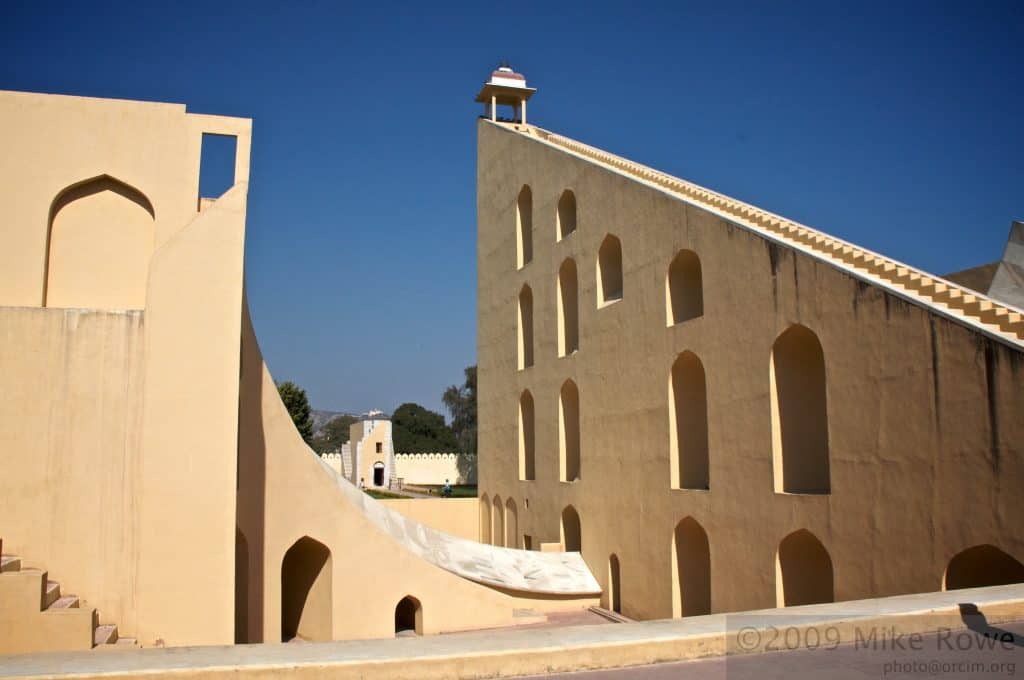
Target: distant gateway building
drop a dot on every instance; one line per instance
(724, 409)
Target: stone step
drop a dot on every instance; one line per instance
(10, 563)
(611, 615)
(65, 602)
(51, 593)
(105, 635)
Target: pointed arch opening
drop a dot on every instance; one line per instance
(527, 456)
(691, 569)
(525, 326)
(568, 309)
(684, 288)
(566, 215)
(511, 524)
(99, 242)
(408, 617)
(572, 535)
(981, 566)
(306, 595)
(803, 571)
(609, 271)
(614, 584)
(524, 227)
(569, 432)
(498, 529)
(688, 424)
(485, 519)
(799, 413)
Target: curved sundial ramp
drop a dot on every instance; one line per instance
(372, 557)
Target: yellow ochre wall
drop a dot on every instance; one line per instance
(455, 516)
(924, 413)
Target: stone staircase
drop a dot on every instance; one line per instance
(36, 616)
(993, 317)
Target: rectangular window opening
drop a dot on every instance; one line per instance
(216, 166)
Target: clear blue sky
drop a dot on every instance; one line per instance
(897, 125)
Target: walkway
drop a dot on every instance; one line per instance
(524, 652)
(975, 652)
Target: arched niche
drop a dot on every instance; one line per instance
(799, 413)
(565, 219)
(614, 584)
(981, 566)
(688, 424)
(691, 569)
(572, 535)
(524, 227)
(527, 454)
(498, 516)
(569, 432)
(408, 617)
(306, 595)
(511, 524)
(684, 288)
(803, 571)
(568, 309)
(609, 271)
(100, 239)
(525, 327)
(485, 519)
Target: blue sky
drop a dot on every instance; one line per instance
(895, 125)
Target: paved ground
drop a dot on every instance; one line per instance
(984, 652)
(493, 653)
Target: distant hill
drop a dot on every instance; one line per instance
(321, 418)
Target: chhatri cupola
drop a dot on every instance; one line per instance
(505, 88)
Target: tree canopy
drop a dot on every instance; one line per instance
(294, 398)
(461, 404)
(334, 434)
(415, 429)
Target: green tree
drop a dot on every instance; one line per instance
(294, 398)
(334, 434)
(415, 429)
(461, 404)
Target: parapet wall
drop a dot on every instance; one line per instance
(435, 468)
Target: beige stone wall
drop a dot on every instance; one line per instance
(924, 425)
(121, 412)
(69, 442)
(435, 468)
(455, 516)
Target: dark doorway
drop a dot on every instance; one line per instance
(408, 616)
(378, 474)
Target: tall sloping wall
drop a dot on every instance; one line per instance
(923, 403)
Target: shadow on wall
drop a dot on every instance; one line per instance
(251, 502)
